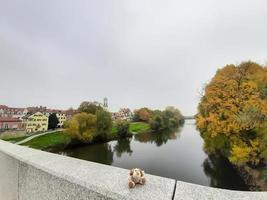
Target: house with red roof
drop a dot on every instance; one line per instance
(10, 123)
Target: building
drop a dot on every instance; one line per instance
(70, 112)
(105, 103)
(19, 112)
(60, 115)
(123, 114)
(42, 109)
(10, 123)
(61, 118)
(10, 112)
(3, 110)
(35, 122)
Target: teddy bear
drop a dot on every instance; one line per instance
(137, 176)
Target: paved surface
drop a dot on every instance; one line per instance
(37, 135)
(189, 191)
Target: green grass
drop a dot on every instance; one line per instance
(14, 139)
(61, 140)
(135, 128)
(138, 127)
(51, 140)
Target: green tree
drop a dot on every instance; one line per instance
(170, 118)
(123, 128)
(53, 121)
(89, 107)
(103, 123)
(82, 127)
(156, 123)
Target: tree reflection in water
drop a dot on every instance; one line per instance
(159, 138)
(101, 153)
(222, 174)
(123, 146)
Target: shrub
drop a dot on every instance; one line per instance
(123, 129)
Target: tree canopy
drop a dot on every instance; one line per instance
(82, 126)
(165, 120)
(142, 114)
(89, 107)
(53, 121)
(233, 112)
(103, 123)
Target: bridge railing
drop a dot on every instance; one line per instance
(28, 174)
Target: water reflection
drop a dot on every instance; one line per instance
(222, 174)
(172, 154)
(159, 138)
(101, 153)
(123, 146)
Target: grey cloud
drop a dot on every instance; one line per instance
(137, 53)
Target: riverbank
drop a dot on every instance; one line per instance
(60, 140)
(256, 179)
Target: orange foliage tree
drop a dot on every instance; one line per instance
(233, 112)
(142, 114)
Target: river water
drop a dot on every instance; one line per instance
(178, 155)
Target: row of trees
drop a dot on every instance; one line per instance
(232, 114)
(160, 120)
(91, 123)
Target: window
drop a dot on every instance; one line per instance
(5, 126)
(15, 126)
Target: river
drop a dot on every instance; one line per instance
(178, 155)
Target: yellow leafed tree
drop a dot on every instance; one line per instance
(233, 112)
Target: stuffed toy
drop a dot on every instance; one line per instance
(137, 176)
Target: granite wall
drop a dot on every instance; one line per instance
(28, 174)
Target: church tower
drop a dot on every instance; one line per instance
(105, 105)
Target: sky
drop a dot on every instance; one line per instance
(137, 53)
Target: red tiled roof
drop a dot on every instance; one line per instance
(9, 119)
(3, 106)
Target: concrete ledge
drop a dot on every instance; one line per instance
(28, 174)
(42, 175)
(189, 191)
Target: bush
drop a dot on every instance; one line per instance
(123, 129)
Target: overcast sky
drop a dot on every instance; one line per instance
(137, 53)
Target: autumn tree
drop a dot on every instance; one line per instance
(142, 114)
(89, 107)
(233, 112)
(82, 126)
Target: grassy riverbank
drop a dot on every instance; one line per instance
(62, 140)
(14, 139)
(49, 141)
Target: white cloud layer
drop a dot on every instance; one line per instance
(137, 53)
